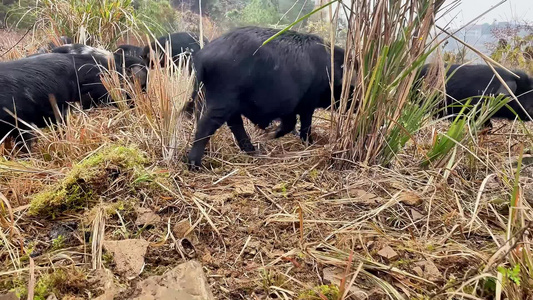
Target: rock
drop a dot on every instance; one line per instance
(185, 282)
(62, 229)
(410, 198)
(418, 271)
(362, 197)
(146, 216)
(416, 215)
(128, 255)
(431, 272)
(9, 296)
(246, 188)
(52, 297)
(388, 253)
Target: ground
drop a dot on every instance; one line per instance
(291, 222)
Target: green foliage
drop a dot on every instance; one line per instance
(471, 117)
(158, 16)
(20, 14)
(489, 285)
(457, 57)
(96, 22)
(256, 12)
(517, 53)
(291, 10)
(511, 274)
(59, 282)
(58, 243)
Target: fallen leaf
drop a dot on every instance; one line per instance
(201, 196)
(146, 216)
(410, 198)
(180, 229)
(362, 197)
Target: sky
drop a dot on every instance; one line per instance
(510, 10)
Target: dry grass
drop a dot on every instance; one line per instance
(272, 225)
(277, 225)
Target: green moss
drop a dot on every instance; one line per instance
(331, 292)
(58, 243)
(43, 287)
(86, 179)
(58, 282)
(107, 259)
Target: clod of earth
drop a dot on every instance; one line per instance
(245, 188)
(128, 255)
(186, 281)
(105, 279)
(8, 296)
(87, 180)
(181, 228)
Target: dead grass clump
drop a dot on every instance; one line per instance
(16, 44)
(87, 180)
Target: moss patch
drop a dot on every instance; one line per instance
(60, 282)
(87, 180)
(329, 291)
